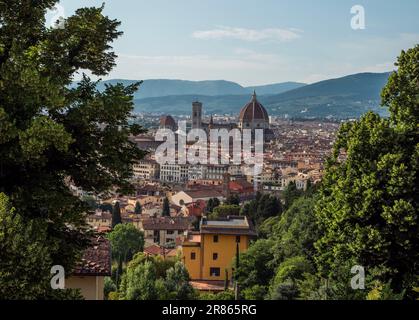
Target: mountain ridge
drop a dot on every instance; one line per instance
(153, 88)
(345, 97)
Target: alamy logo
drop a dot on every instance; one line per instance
(196, 148)
(58, 279)
(358, 20)
(358, 280)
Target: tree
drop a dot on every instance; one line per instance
(126, 240)
(23, 255)
(297, 231)
(116, 215)
(212, 204)
(177, 283)
(225, 210)
(109, 286)
(285, 283)
(291, 193)
(53, 132)
(152, 278)
(261, 208)
(256, 269)
(138, 208)
(368, 203)
(233, 200)
(166, 208)
(139, 282)
(25, 263)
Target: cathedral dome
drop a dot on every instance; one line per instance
(253, 111)
(167, 122)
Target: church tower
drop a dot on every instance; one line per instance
(196, 115)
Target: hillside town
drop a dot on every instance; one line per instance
(170, 201)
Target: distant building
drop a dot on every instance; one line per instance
(174, 173)
(196, 115)
(164, 230)
(89, 273)
(188, 196)
(208, 254)
(146, 170)
(167, 122)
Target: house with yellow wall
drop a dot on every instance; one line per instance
(208, 254)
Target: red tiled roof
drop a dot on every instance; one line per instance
(240, 185)
(104, 229)
(196, 208)
(166, 223)
(253, 111)
(96, 260)
(167, 121)
(156, 250)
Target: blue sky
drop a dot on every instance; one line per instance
(256, 42)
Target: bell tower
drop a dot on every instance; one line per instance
(196, 115)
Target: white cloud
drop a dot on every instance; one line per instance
(249, 34)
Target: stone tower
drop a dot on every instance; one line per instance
(196, 115)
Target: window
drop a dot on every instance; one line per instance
(170, 232)
(238, 239)
(193, 255)
(215, 238)
(214, 256)
(214, 272)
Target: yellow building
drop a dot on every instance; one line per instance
(208, 254)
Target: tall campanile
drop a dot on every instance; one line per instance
(196, 115)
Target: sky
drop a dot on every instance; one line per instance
(255, 42)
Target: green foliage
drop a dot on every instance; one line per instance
(109, 286)
(233, 200)
(256, 266)
(177, 283)
(166, 208)
(150, 278)
(256, 292)
(285, 283)
(291, 193)
(126, 240)
(384, 292)
(24, 260)
(266, 229)
(116, 215)
(223, 295)
(138, 208)
(52, 133)
(296, 231)
(91, 202)
(212, 204)
(368, 203)
(225, 210)
(262, 208)
(275, 267)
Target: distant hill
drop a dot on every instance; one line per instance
(166, 87)
(277, 88)
(363, 86)
(346, 97)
